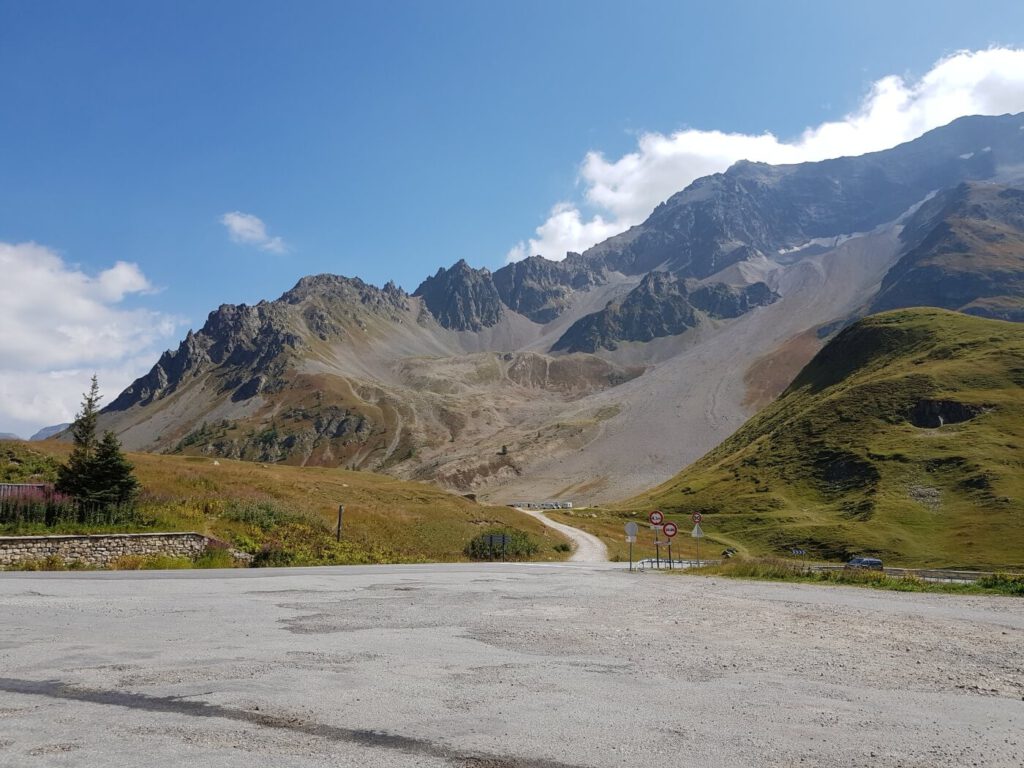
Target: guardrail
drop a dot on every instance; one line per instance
(925, 574)
(666, 564)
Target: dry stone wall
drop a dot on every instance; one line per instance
(99, 551)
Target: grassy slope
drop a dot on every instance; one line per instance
(392, 519)
(836, 467)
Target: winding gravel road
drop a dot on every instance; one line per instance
(588, 548)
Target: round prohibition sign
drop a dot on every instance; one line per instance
(670, 530)
(656, 517)
(697, 517)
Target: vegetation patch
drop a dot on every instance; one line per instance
(488, 545)
(776, 569)
(902, 439)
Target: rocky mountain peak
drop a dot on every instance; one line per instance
(461, 298)
(765, 208)
(540, 288)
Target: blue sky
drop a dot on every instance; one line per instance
(384, 140)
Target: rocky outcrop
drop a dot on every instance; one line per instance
(659, 306)
(539, 288)
(931, 414)
(965, 251)
(461, 298)
(240, 341)
(721, 300)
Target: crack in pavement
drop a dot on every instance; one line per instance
(55, 689)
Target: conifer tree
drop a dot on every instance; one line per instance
(113, 475)
(73, 477)
(97, 472)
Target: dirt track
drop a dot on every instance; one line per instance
(588, 548)
(500, 666)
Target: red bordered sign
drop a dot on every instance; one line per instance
(697, 517)
(656, 517)
(670, 530)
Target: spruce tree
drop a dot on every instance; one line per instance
(96, 472)
(74, 478)
(113, 475)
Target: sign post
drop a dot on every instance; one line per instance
(698, 534)
(341, 511)
(631, 529)
(670, 530)
(656, 518)
(495, 540)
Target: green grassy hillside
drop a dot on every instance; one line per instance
(294, 509)
(903, 438)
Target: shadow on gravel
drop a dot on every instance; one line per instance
(55, 689)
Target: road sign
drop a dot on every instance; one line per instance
(656, 518)
(670, 530)
(697, 517)
(697, 533)
(631, 529)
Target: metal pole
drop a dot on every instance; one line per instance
(657, 551)
(630, 555)
(698, 553)
(341, 511)
(670, 554)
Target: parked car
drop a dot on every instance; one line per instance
(864, 563)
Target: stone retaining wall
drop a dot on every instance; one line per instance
(99, 551)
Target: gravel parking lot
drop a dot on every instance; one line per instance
(500, 666)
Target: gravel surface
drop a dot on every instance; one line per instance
(500, 666)
(587, 547)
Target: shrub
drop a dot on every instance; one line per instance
(264, 515)
(518, 546)
(215, 557)
(1005, 583)
(127, 563)
(274, 556)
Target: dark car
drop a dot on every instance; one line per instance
(865, 563)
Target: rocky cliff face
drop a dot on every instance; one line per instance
(754, 208)
(540, 289)
(462, 298)
(725, 301)
(247, 344)
(660, 306)
(964, 251)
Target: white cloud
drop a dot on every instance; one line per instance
(60, 326)
(622, 192)
(250, 230)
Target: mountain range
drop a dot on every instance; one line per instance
(600, 375)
